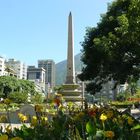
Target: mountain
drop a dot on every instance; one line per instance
(61, 69)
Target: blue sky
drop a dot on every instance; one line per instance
(37, 29)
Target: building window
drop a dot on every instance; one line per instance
(38, 75)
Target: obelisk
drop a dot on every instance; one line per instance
(70, 89)
(70, 78)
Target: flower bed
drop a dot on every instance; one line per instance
(124, 104)
(88, 124)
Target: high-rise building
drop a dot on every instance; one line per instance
(20, 69)
(49, 66)
(37, 75)
(1, 66)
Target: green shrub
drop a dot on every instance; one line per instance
(37, 98)
(18, 97)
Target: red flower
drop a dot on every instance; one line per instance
(92, 112)
(57, 101)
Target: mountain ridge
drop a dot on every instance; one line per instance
(61, 69)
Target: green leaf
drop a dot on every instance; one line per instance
(136, 129)
(99, 135)
(91, 128)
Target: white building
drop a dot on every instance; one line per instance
(37, 75)
(2, 67)
(19, 68)
(109, 93)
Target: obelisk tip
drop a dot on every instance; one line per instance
(70, 14)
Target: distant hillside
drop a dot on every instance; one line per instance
(61, 69)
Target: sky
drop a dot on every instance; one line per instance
(38, 29)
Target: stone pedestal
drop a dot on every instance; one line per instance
(71, 93)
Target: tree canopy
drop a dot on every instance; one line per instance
(10, 84)
(112, 49)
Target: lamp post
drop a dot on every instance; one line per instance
(83, 94)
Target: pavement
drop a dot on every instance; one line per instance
(13, 125)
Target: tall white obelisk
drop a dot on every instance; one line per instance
(70, 90)
(70, 78)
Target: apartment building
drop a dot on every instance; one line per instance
(49, 66)
(37, 75)
(2, 67)
(19, 68)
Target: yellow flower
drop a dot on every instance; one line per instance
(44, 120)
(4, 137)
(16, 138)
(109, 134)
(130, 121)
(47, 110)
(103, 117)
(22, 117)
(34, 121)
(8, 129)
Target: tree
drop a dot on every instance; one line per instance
(7, 85)
(112, 49)
(18, 97)
(38, 98)
(133, 86)
(10, 84)
(27, 86)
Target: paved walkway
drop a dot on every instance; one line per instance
(134, 112)
(13, 125)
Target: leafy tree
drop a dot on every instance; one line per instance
(112, 49)
(7, 85)
(10, 84)
(27, 86)
(133, 86)
(18, 97)
(37, 98)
